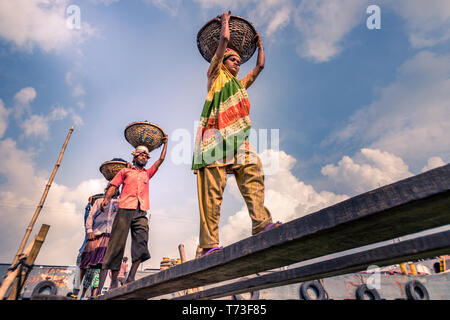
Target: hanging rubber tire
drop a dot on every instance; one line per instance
(254, 295)
(46, 287)
(415, 290)
(315, 287)
(363, 292)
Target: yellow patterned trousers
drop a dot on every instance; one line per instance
(211, 183)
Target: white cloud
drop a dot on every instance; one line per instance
(36, 125)
(42, 23)
(25, 95)
(78, 91)
(432, 163)
(427, 23)
(170, 226)
(224, 4)
(77, 88)
(4, 114)
(270, 16)
(368, 170)
(284, 190)
(105, 2)
(77, 120)
(22, 101)
(57, 113)
(323, 25)
(63, 209)
(170, 6)
(279, 21)
(410, 117)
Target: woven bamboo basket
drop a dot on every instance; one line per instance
(144, 133)
(109, 169)
(242, 38)
(97, 196)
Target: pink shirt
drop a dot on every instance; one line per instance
(135, 187)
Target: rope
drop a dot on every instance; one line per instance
(21, 265)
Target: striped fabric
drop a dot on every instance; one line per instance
(224, 122)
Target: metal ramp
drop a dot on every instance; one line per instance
(409, 206)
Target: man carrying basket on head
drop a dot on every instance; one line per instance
(222, 144)
(131, 215)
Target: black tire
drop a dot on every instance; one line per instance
(47, 286)
(254, 295)
(363, 292)
(415, 290)
(316, 287)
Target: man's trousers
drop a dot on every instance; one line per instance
(126, 220)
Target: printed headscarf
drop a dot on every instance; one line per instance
(230, 52)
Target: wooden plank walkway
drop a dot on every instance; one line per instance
(405, 207)
(419, 248)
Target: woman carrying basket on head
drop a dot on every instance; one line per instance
(222, 144)
(98, 229)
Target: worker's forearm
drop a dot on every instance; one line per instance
(111, 191)
(162, 156)
(224, 36)
(163, 153)
(225, 30)
(260, 62)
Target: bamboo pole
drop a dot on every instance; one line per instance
(11, 276)
(183, 260)
(182, 253)
(31, 257)
(41, 203)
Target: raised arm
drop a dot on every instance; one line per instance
(254, 73)
(163, 153)
(224, 35)
(216, 60)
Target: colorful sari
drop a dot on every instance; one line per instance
(224, 123)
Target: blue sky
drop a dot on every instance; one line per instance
(355, 108)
